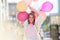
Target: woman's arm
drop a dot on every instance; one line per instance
(34, 10)
(38, 25)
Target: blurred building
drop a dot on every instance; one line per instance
(54, 26)
(55, 19)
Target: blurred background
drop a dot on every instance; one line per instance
(51, 26)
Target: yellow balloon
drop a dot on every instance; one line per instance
(21, 6)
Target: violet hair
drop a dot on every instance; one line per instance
(32, 13)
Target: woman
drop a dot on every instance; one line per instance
(33, 30)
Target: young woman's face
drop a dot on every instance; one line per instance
(31, 19)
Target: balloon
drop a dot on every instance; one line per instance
(22, 16)
(21, 6)
(43, 14)
(29, 1)
(47, 6)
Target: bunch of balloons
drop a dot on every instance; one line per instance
(23, 5)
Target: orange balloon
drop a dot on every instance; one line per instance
(43, 14)
(21, 6)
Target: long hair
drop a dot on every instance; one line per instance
(32, 13)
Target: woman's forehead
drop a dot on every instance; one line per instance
(30, 15)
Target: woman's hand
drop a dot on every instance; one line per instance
(32, 9)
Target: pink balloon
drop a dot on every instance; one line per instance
(29, 1)
(47, 6)
(22, 16)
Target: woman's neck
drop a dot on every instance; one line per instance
(30, 24)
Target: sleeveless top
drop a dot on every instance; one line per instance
(31, 31)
